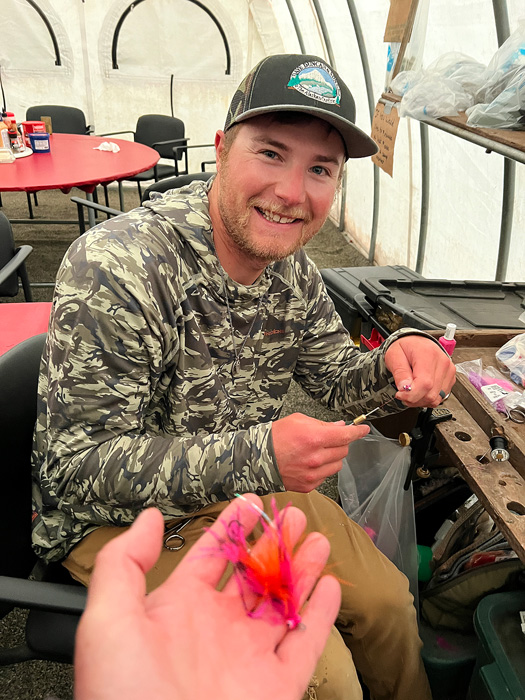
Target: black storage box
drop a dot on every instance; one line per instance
(351, 303)
(371, 294)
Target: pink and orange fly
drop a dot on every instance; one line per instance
(266, 572)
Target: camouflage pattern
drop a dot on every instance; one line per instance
(137, 402)
(239, 102)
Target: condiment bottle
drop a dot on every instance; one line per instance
(4, 136)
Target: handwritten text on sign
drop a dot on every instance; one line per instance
(384, 132)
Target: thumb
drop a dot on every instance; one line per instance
(118, 578)
(399, 365)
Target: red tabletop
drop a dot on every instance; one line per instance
(74, 162)
(19, 321)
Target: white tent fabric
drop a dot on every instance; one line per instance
(178, 41)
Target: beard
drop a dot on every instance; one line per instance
(238, 228)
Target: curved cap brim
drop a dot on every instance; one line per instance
(357, 143)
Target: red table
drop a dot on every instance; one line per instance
(74, 162)
(19, 321)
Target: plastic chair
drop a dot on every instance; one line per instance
(12, 263)
(54, 606)
(168, 183)
(166, 135)
(64, 120)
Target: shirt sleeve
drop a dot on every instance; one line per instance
(333, 370)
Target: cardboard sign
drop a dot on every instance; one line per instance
(384, 132)
(400, 20)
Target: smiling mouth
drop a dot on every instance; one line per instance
(275, 218)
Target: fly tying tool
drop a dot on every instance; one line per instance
(364, 416)
(173, 536)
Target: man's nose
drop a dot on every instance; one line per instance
(291, 187)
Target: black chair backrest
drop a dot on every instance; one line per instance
(19, 370)
(64, 120)
(8, 288)
(154, 128)
(171, 183)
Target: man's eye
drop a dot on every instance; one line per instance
(270, 154)
(319, 170)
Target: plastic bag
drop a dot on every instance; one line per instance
(371, 490)
(506, 111)
(435, 97)
(507, 62)
(463, 69)
(445, 88)
(413, 55)
(502, 394)
(500, 101)
(512, 356)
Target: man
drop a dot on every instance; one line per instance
(176, 331)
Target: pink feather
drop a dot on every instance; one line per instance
(265, 573)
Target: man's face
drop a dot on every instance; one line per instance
(276, 184)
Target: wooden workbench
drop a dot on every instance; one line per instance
(464, 440)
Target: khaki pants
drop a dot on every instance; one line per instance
(376, 626)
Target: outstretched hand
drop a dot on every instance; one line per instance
(419, 362)
(188, 641)
(308, 450)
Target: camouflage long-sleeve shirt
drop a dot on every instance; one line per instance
(138, 403)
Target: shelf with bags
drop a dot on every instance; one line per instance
(506, 142)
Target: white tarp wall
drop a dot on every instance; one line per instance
(163, 38)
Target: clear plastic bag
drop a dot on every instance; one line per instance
(502, 394)
(435, 97)
(506, 111)
(443, 89)
(463, 69)
(372, 494)
(506, 63)
(512, 357)
(413, 56)
(500, 101)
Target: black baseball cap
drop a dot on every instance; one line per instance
(300, 83)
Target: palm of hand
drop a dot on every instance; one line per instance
(188, 641)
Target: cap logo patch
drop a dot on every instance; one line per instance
(315, 80)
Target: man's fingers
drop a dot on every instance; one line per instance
(302, 647)
(399, 365)
(341, 435)
(418, 361)
(358, 432)
(120, 565)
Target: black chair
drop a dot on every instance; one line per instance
(168, 183)
(12, 263)
(166, 135)
(64, 120)
(54, 606)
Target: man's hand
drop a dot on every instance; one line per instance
(308, 450)
(188, 641)
(422, 364)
